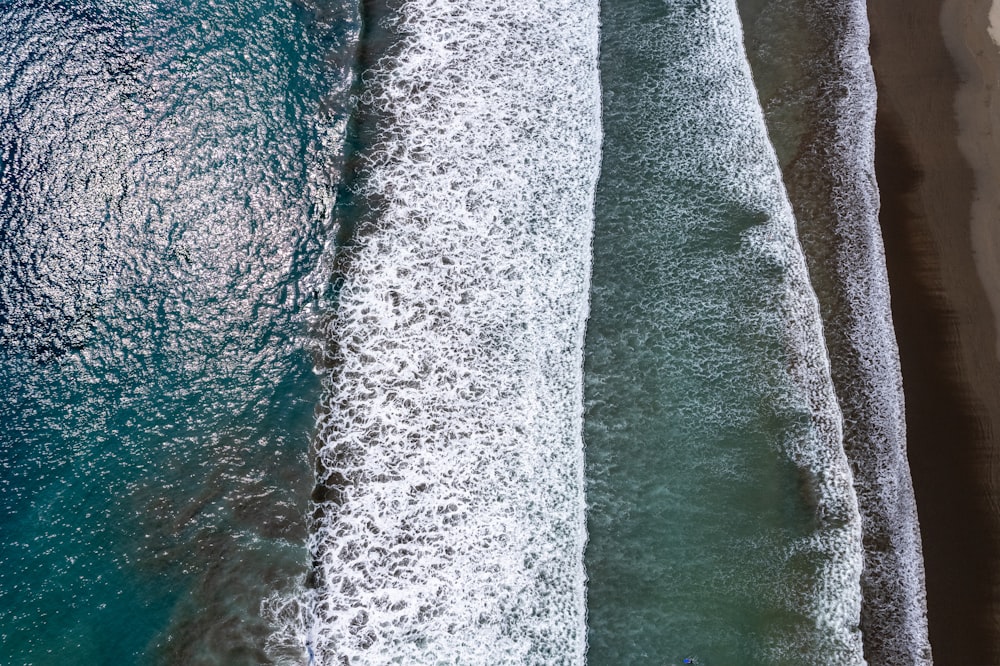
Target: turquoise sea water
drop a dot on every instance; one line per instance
(164, 171)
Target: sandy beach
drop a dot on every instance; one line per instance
(937, 171)
(972, 32)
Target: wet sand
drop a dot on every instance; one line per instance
(941, 308)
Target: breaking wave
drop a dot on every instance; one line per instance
(827, 82)
(449, 524)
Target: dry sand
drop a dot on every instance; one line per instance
(972, 32)
(936, 167)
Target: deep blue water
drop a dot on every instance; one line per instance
(167, 173)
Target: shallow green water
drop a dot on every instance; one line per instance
(708, 537)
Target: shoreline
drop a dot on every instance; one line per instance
(818, 93)
(945, 326)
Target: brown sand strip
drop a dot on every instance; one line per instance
(951, 375)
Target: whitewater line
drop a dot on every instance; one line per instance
(835, 602)
(450, 523)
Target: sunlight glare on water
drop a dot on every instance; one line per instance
(164, 170)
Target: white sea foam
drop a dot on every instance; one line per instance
(870, 382)
(451, 431)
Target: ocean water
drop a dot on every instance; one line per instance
(434, 332)
(723, 523)
(164, 169)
